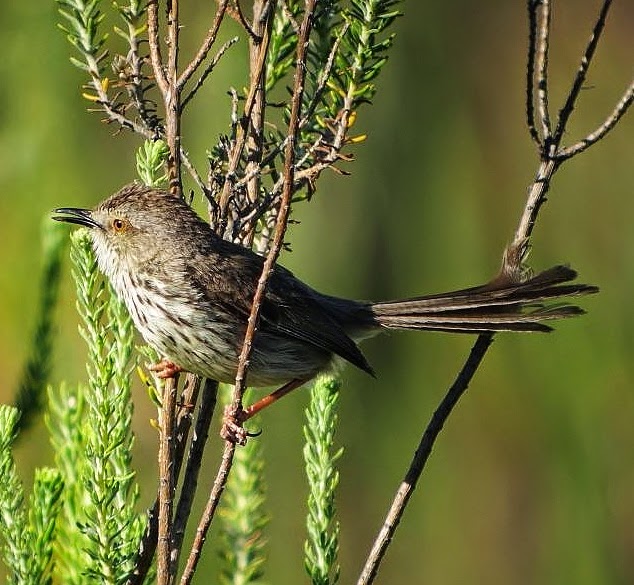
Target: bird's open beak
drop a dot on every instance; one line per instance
(76, 215)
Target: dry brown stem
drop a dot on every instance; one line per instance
(280, 230)
(552, 155)
(165, 568)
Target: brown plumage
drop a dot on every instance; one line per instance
(189, 293)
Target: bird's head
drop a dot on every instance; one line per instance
(133, 225)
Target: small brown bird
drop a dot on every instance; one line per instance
(189, 294)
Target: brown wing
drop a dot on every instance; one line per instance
(291, 309)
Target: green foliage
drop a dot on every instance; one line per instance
(28, 533)
(66, 410)
(101, 521)
(96, 537)
(89, 424)
(356, 45)
(30, 395)
(365, 48)
(44, 508)
(322, 545)
(243, 517)
(282, 45)
(99, 531)
(131, 83)
(347, 52)
(133, 14)
(150, 162)
(12, 512)
(82, 31)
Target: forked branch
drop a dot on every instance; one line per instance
(552, 155)
(280, 230)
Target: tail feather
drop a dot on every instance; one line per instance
(497, 306)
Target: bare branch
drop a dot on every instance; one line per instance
(194, 461)
(223, 49)
(255, 131)
(421, 456)
(187, 402)
(210, 509)
(155, 46)
(536, 198)
(271, 258)
(165, 568)
(241, 136)
(236, 13)
(134, 79)
(172, 100)
(324, 76)
(530, 71)
(551, 159)
(285, 204)
(611, 121)
(207, 43)
(194, 173)
(580, 78)
(542, 68)
(114, 116)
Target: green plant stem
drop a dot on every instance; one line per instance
(320, 456)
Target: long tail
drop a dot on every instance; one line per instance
(497, 306)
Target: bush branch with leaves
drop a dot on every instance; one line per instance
(81, 523)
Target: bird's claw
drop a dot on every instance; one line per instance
(165, 369)
(233, 426)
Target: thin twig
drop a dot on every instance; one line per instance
(208, 69)
(550, 161)
(165, 569)
(285, 204)
(255, 131)
(206, 45)
(166, 565)
(332, 151)
(542, 70)
(324, 76)
(262, 168)
(114, 116)
(536, 198)
(530, 71)
(135, 78)
(580, 77)
(171, 98)
(610, 122)
(193, 172)
(107, 105)
(280, 230)
(155, 46)
(421, 456)
(187, 401)
(194, 461)
(236, 13)
(241, 136)
(210, 509)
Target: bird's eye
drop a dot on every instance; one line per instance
(118, 225)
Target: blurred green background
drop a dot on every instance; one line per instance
(532, 480)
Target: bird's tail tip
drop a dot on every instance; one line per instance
(503, 304)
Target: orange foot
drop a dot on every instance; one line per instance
(232, 426)
(165, 369)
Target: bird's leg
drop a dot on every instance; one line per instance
(251, 411)
(165, 369)
(232, 422)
